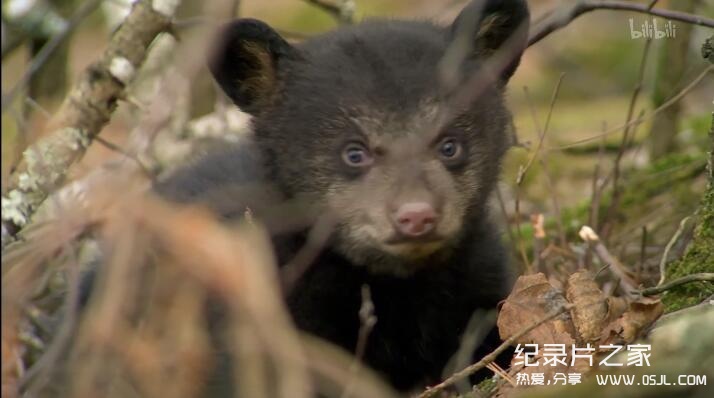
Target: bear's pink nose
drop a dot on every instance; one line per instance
(415, 219)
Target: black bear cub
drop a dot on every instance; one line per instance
(393, 131)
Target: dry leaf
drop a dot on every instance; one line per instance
(616, 306)
(590, 309)
(533, 298)
(627, 328)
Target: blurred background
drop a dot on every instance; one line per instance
(634, 186)
(662, 162)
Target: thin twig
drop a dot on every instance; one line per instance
(543, 131)
(524, 169)
(537, 221)
(502, 206)
(562, 19)
(84, 112)
(644, 117)
(609, 214)
(39, 373)
(35, 105)
(316, 240)
(594, 210)
(701, 277)
(616, 267)
(643, 248)
(557, 212)
(433, 391)
(367, 322)
(603, 268)
(116, 148)
(519, 233)
(675, 238)
(49, 49)
(495, 368)
(549, 181)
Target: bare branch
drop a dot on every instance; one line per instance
(617, 268)
(434, 391)
(541, 160)
(623, 144)
(701, 277)
(524, 169)
(708, 70)
(49, 49)
(663, 261)
(86, 109)
(562, 19)
(367, 320)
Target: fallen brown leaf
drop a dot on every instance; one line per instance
(616, 306)
(628, 327)
(590, 309)
(595, 320)
(531, 299)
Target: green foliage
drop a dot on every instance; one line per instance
(698, 258)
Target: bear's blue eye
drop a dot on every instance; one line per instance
(449, 148)
(356, 155)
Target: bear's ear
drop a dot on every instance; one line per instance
(246, 62)
(488, 27)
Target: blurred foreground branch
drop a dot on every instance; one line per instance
(86, 109)
(343, 10)
(49, 49)
(163, 263)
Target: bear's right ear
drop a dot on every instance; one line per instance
(246, 60)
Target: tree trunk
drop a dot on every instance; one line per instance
(671, 68)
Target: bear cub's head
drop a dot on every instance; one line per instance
(396, 128)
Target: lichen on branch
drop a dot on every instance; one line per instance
(83, 114)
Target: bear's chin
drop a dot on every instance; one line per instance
(401, 260)
(413, 251)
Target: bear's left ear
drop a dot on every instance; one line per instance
(493, 26)
(246, 62)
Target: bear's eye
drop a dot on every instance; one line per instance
(450, 149)
(356, 155)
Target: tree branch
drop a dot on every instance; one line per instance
(433, 391)
(701, 277)
(49, 49)
(707, 71)
(85, 111)
(665, 255)
(562, 19)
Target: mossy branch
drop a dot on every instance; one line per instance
(701, 277)
(84, 112)
(699, 257)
